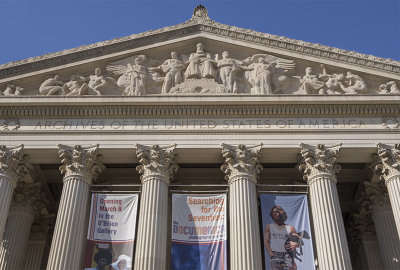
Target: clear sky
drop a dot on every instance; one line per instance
(32, 28)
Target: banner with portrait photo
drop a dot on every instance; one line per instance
(111, 232)
(198, 232)
(286, 230)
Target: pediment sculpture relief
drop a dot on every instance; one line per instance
(336, 83)
(200, 72)
(77, 85)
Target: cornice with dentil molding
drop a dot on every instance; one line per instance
(241, 162)
(318, 161)
(156, 162)
(80, 162)
(198, 23)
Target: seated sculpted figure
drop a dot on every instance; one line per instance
(311, 84)
(389, 88)
(76, 85)
(12, 90)
(200, 64)
(98, 83)
(332, 81)
(355, 85)
(52, 86)
(227, 72)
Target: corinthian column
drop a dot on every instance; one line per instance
(389, 170)
(241, 166)
(81, 166)
(157, 167)
(318, 164)
(12, 168)
(385, 227)
(28, 201)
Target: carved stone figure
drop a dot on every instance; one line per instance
(389, 88)
(76, 86)
(135, 79)
(311, 84)
(227, 72)
(12, 90)
(356, 84)
(52, 86)
(98, 83)
(173, 69)
(200, 64)
(265, 72)
(260, 76)
(332, 81)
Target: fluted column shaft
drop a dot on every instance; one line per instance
(386, 233)
(27, 201)
(393, 186)
(15, 240)
(241, 166)
(6, 191)
(82, 165)
(152, 234)
(330, 235)
(157, 168)
(388, 168)
(13, 166)
(67, 246)
(370, 257)
(34, 254)
(318, 163)
(244, 225)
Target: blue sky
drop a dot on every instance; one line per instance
(32, 28)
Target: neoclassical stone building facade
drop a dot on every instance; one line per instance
(180, 103)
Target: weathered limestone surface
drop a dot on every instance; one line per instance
(318, 163)
(157, 167)
(241, 166)
(81, 166)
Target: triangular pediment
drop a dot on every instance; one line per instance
(257, 63)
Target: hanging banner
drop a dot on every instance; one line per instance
(198, 232)
(111, 232)
(287, 234)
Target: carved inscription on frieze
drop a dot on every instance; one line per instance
(200, 124)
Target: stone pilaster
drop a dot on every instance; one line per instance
(241, 166)
(157, 167)
(318, 164)
(385, 226)
(28, 201)
(389, 170)
(81, 166)
(13, 167)
(37, 241)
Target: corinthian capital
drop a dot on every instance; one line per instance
(13, 164)
(28, 197)
(318, 161)
(388, 165)
(82, 162)
(241, 161)
(156, 161)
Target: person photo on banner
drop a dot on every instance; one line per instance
(281, 241)
(123, 262)
(103, 258)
